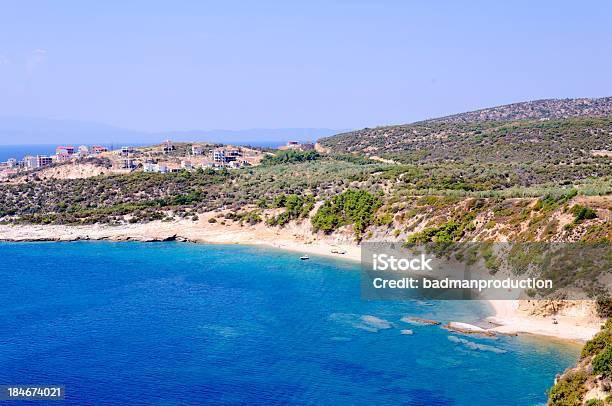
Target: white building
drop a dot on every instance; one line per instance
(30, 162)
(128, 163)
(197, 149)
(219, 156)
(157, 168)
(167, 146)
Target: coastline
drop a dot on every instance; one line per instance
(507, 317)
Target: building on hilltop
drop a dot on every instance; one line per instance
(226, 155)
(43, 160)
(219, 156)
(83, 151)
(97, 149)
(197, 149)
(61, 157)
(30, 162)
(64, 150)
(128, 163)
(167, 147)
(297, 146)
(155, 168)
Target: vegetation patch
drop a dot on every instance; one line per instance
(296, 207)
(450, 231)
(569, 391)
(355, 207)
(290, 156)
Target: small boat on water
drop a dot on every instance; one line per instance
(304, 257)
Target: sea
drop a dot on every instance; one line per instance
(19, 151)
(129, 323)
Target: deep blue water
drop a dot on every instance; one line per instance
(177, 323)
(19, 151)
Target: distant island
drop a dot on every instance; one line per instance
(529, 172)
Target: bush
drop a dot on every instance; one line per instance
(212, 220)
(582, 213)
(296, 207)
(355, 207)
(604, 307)
(568, 391)
(384, 220)
(602, 363)
(597, 343)
(451, 231)
(290, 156)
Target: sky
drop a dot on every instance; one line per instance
(183, 65)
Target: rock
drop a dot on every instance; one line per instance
(466, 328)
(416, 320)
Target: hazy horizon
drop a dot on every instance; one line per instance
(159, 67)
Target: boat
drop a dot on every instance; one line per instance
(304, 257)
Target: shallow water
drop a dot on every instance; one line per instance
(175, 323)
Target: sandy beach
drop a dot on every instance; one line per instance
(508, 317)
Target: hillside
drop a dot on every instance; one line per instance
(536, 110)
(566, 132)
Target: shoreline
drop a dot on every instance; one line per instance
(507, 318)
(510, 319)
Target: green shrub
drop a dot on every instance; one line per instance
(384, 220)
(290, 156)
(355, 207)
(451, 231)
(597, 343)
(296, 207)
(568, 391)
(582, 213)
(604, 307)
(602, 362)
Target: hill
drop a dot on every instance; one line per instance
(572, 131)
(536, 110)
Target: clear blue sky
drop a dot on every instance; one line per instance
(166, 65)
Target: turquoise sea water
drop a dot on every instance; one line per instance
(175, 323)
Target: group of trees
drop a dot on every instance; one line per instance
(451, 231)
(296, 207)
(290, 156)
(355, 207)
